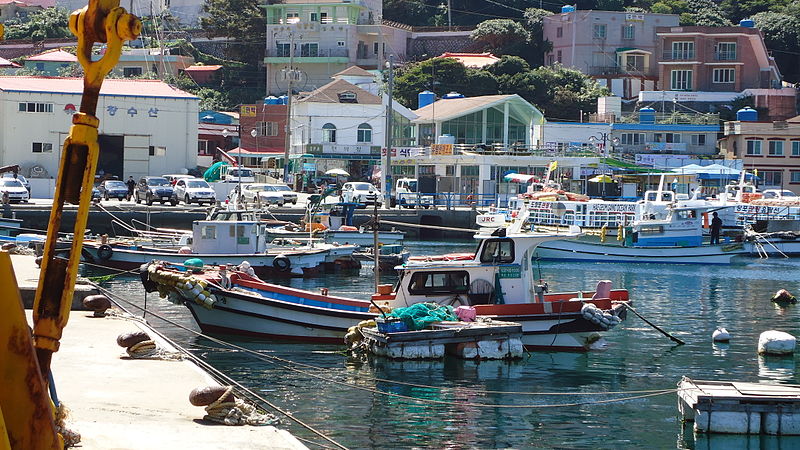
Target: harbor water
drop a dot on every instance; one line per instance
(548, 399)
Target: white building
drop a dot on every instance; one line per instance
(146, 126)
(573, 135)
(341, 126)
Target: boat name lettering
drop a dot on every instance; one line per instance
(760, 209)
(512, 271)
(487, 218)
(612, 207)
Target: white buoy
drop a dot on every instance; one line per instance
(776, 343)
(721, 335)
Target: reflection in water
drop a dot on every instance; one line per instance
(688, 301)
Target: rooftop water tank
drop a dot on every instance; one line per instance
(272, 100)
(452, 95)
(283, 99)
(425, 98)
(567, 8)
(747, 23)
(446, 139)
(747, 114)
(647, 116)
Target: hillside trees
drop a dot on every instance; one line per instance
(44, 24)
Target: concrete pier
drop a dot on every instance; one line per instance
(27, 274)
(121, 403)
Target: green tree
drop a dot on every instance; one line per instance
(409, 12)
(707, 13)
(502, 36)
(782, 36)
(439, 75)
(737, 10)
(39, 25)
(242, 20)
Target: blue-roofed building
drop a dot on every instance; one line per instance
(658, 133)
(216, 117)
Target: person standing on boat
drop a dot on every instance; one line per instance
(131, 183)
(716, 226)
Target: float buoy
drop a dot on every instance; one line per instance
(281, 263)
(105, 252)
(721, 335)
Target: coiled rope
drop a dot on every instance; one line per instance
(236, 412)
(269, 358)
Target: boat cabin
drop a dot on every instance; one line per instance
(681, 228)
(226, 237)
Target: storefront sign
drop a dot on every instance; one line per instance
(656, 160)
(441, 149)
(248, 111)
(309, 167)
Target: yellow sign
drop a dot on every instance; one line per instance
(441, 149)
(553, 165)
(248, 111)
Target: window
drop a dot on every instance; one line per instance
(158, 151)
(753, 147)
(324, 17)
(599, 31)
(775, 148)
(36, 107)
(682, 50)
(551, 59)
(313, 17)
(724, 75)
(208, 232)
(329, 132)
(498, 251)
(364, 133)
(267, 129)
(131, 71)
(292, 17)
(771, 177)
(632, 139)
(558, 56)
(559, 32)
(42, 147)
(795, 148)
(795, 177)
(681, 80)
(629, 31)
(340, 43)
(202, 147)
(725, 51)
(283, 49)
(444, 282)
(698, 139)
(309, 49)
(634, 63)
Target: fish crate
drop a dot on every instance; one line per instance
(466, 340)
(740, 408)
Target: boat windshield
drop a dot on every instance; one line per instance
(158, 182)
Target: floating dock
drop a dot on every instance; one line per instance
(467, 340)
(740, 408)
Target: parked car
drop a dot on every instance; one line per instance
(780, 193)
(194, 190)
(14, 191)
(113, 189)
(21, 179)
(96, 193)
(174, 177)
(289, 196)
(155, 189)
(262, 193)
(239, 174)
(362, 193)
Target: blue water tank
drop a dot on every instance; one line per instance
(647, 116)
(747, 114)
(747, 23)
(283, 99)
(272, 100)
(567, 8)
(425, 98)
(452, 95)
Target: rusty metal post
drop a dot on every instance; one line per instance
(101, 21)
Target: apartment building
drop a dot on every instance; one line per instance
(772, 148)
(616, 48)
(715, 59)
(663, 133)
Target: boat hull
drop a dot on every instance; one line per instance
(583, 251)
(364, 239)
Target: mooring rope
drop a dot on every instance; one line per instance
(267, 358)
(432, 227)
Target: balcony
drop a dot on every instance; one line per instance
(676, 118)
(678, 56)
(310, 55)
(616, 70)
(725, 56)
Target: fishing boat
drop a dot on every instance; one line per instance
(498, 281)
(223, 242)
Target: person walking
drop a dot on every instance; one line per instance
(131, 183)
(716, 226)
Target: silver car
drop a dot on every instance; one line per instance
(262, 193)
(191, 190)
(13, 190)
(289, 196)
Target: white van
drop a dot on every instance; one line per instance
(406, 194)
(237, 174)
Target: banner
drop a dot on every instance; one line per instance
(441, 149)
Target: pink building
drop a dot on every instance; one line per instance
(715, 59)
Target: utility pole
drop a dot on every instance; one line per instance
(449, 16)
(289, 73)
(388, 173)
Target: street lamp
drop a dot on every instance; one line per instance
(594, 140)
(225, 134)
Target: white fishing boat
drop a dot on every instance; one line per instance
(224, 242)
(498, 281)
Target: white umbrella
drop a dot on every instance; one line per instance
(337, 172)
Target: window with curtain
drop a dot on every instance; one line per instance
(329, 132)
